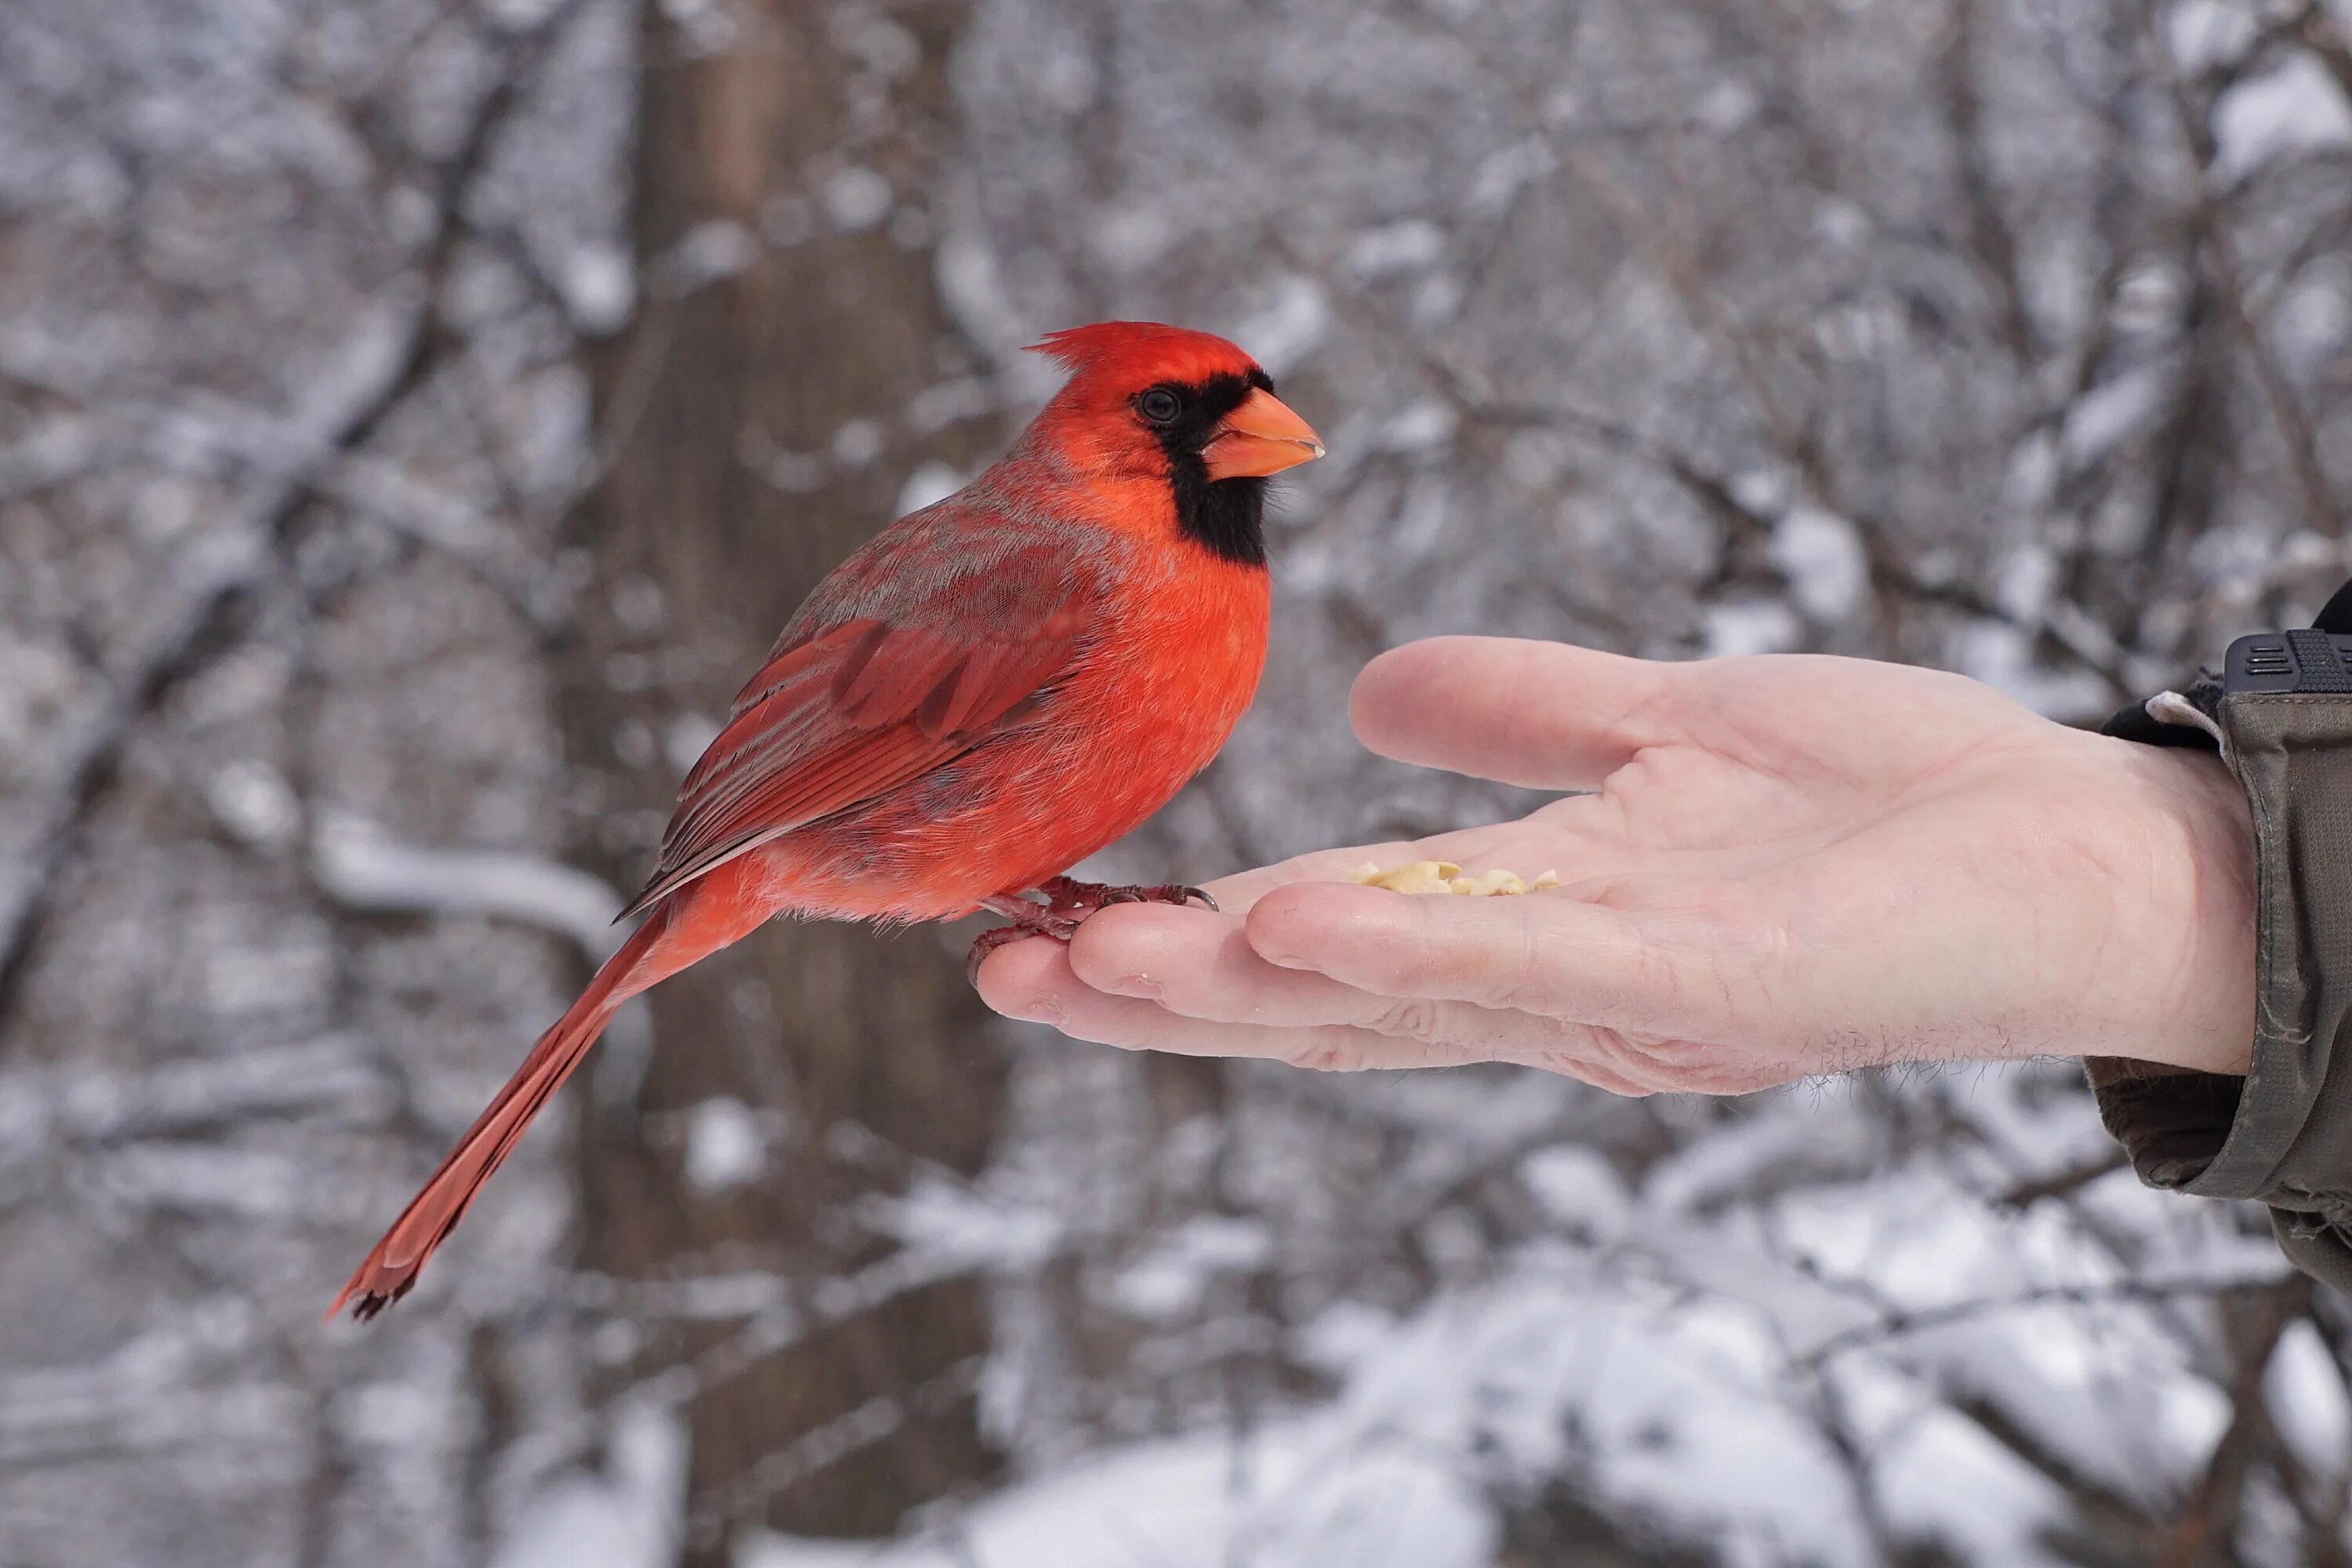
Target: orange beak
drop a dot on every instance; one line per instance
(1260, 438)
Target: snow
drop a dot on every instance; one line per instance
(2103, 1388)
(1821, 555)
(929, 483)
(1943, 1478)
(857, 443)
(949, 1223)
(1727, 105)
(1293, 317)
(631, 1516)
(1130, 235)
(1787, 1135)
(599, 285)
(1170, 1282)
(686, 737)
(878, 43)
(2003, 657)
(363, 867)
(246, 1184)
(2204, 34)
(857, 198)
(2024, 583)
(2103, 417)
(938, 406)
(2314, 317)
(1397, 248)
(1733, 628)
(1761, 492)
(2303, 1390)
(1579, 1188)
(1194, 1502)
(1669, 1395)
(972, 289)
(1663, 1338)
(1422, 425)
(1541, 1371)
(332, 1074)
(2293, 109)
(254, 801)
(711, 252)
(1501, 174)
(726, 1146)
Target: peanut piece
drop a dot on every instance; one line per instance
(1431, 877)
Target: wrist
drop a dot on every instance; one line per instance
(2201, 832)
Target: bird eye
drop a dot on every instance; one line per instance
(1160, 405)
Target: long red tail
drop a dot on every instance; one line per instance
(390, 1270)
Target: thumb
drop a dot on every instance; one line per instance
(1544, 714)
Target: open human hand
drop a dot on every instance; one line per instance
(1785, 865)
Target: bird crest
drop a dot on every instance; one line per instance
(1143, 352)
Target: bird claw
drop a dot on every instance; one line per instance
(1064, 893)
(986, 943)
(1068, 904)
(1045, 922)
(1165, 893)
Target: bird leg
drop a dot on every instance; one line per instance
(1067, 904)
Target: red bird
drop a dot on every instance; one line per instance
(928, 736)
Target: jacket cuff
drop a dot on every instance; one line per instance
(2282, 1134)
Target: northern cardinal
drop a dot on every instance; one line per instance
(988, 691)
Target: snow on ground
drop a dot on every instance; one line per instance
(1699, 1360)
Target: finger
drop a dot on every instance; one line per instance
(1201, 966)
(1020, 978)
(1050, 992)
(1035, 981)
(1554, 954)
(1032, 981)
(1544, 714)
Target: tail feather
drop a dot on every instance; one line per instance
(390, 1270)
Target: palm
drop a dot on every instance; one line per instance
(1782, 866)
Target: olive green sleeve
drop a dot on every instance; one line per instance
(2282, 1134)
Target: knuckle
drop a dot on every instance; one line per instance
(1471, 1033)
(1673, 1065)
(1520, 969)
(1318, 1051)
(1408, 1017)
(1652, 1060)
(1610, 1082)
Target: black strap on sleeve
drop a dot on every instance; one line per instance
(2336, 615)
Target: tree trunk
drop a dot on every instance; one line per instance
(730, 490)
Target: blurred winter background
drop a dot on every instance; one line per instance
(415, 415)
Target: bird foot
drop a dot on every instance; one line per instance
(1064, 893)
(1043, 923)
(1067, 904)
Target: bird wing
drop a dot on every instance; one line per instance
(941, 631)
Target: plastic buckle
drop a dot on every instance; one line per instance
(2289, 661)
